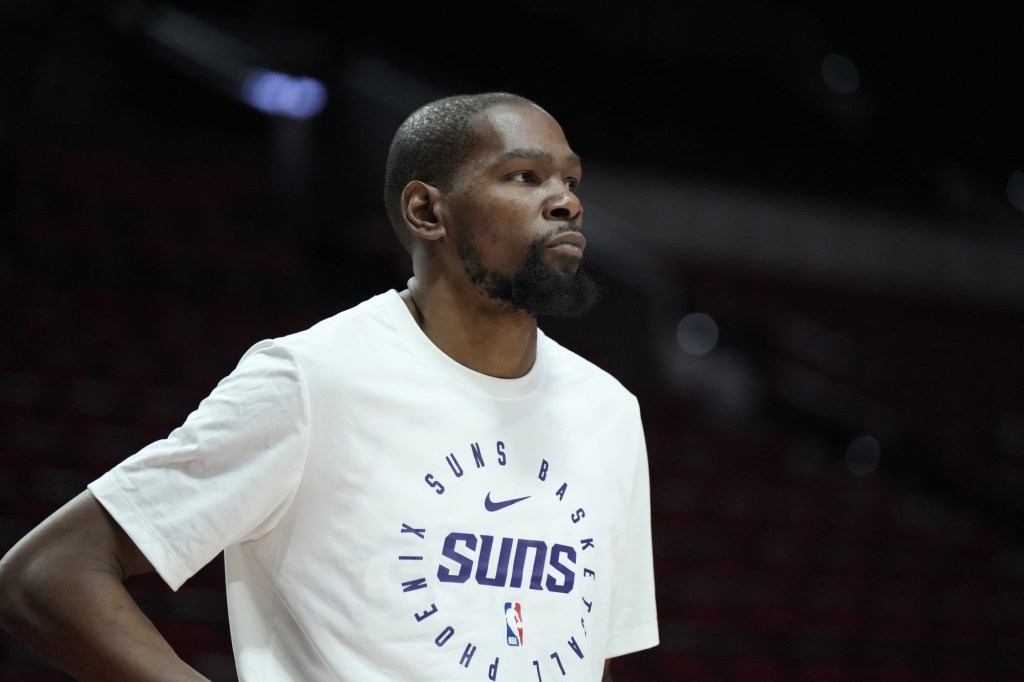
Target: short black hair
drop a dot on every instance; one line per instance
(431, 144)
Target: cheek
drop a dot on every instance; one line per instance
(498, 248)
(509, 226)
(497, 230)
(495, 233)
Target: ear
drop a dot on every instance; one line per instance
(420, 203)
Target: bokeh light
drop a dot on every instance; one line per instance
(697, 333)
(839, 73)
(862, 456)
(1015, 189)
(280, 94)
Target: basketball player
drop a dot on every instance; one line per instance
(387, 484)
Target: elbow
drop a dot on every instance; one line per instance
(27, 585)
(13, 594)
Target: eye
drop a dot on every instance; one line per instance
(572, 183)
(523, 176)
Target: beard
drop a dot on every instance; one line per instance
(534, 287)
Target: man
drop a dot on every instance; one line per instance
(422, 487)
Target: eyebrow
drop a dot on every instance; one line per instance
(522, 153)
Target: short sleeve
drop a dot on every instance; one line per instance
(634, 621)
(225, 476)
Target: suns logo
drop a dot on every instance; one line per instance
(509, 526)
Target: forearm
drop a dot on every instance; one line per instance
(88, 625)
(62, 594)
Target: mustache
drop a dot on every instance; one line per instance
(560, 229)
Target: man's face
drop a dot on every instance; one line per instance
(516, 218)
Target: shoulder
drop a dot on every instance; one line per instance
(348, 336)
(367, 316)
(568, 368)
(370, 317)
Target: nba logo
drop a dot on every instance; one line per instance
(514, 623)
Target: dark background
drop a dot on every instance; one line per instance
(838, 484)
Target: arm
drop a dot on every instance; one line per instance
(62, 594)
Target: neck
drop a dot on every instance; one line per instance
(479, 334)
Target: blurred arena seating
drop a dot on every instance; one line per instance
(133, 284)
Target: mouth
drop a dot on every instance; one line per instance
(571, 242)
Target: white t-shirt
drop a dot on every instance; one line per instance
(386, 513)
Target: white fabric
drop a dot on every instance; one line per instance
(343, 471)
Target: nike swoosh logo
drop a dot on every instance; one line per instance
(492, 506)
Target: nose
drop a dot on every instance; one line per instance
(564, 205)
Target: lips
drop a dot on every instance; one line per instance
(569, 242)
